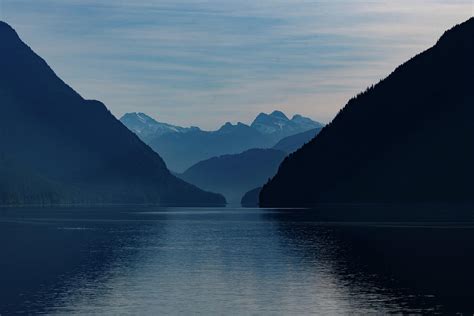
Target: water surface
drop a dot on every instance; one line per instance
(143, 260)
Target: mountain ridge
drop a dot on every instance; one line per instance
(147, 127)
(103, 163)
(181, 150)
(292, 143)
(234, 174)
(362, 157)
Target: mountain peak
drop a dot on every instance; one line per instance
(7, 33)
(142, 117)
(228, 126)
(137, 118)
(6, 27)
(278, 123)
(279, 114)
(458, 32)
(147, 127)
(264, 117)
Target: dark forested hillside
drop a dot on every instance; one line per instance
(57, 147)
(233, 175)
(409, 138)
(292, 143)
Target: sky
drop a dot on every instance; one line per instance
(205, 62)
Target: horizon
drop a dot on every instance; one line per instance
(202, 64)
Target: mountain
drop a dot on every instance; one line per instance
(367, 155)
(183, 147)
(250, 199)
(182, 150)
(278, 125)
(233, 175)
(292, 143)
(146, 127)
(251, 168)
(60, 148)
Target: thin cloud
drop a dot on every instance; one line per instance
(208, 61)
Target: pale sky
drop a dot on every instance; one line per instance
(205, 62)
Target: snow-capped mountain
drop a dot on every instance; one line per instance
(278, 123)
(146, 127)
(183, 147)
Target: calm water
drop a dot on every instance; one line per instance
(239, 261)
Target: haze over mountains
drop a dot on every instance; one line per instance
(233, 175)
(408, 139)
(292, 143)
(183, 147)
(60, 148)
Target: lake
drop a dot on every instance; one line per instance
(145, 260)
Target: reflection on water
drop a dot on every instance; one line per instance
(145, 260)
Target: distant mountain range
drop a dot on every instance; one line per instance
(229, 174)
(183, 147)
(60, 148)
(408, 139)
